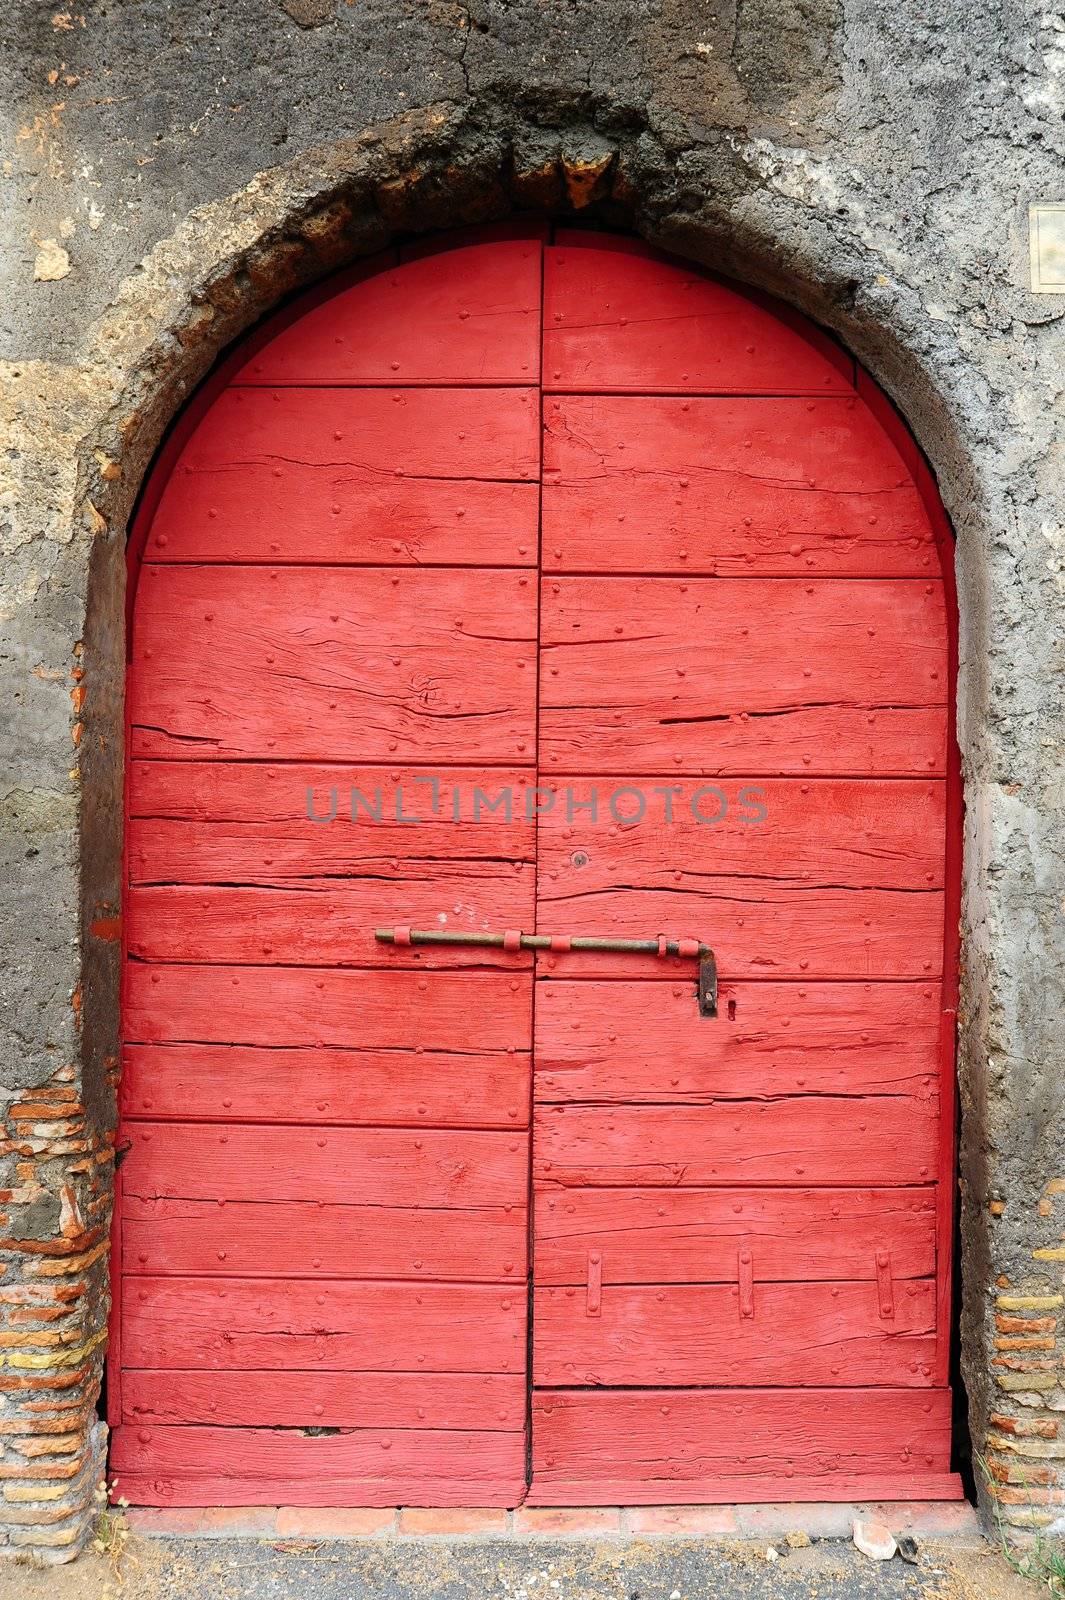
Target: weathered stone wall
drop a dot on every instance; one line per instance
(173, 169)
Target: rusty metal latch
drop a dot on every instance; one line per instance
(514, 939)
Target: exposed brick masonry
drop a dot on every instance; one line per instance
(1026, 1440)
(55, 1208)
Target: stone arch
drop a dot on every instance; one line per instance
(234, 259)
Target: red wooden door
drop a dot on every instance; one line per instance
(324, 1238)
(679, 596)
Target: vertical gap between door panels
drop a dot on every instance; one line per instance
(531, 1211)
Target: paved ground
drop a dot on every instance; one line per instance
(540, 1569)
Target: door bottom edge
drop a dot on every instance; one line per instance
(945, 1486)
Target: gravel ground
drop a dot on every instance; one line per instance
(447, 1569)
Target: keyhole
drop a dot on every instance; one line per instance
(578, 859)
(732, 1010)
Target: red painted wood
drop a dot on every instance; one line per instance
(374, 1120)
(490, 1401)
(309, 1239)
(305, 663)
(868, 833)
(115, 1387)
(248, 823)
(461, 316)
(683, 1236)
(197, 408)
(390, 477)
(668, 1447)
(636, 322)
(253, 1324)
(808, 1139)
(308, 1006)
(882, 834)
(948, 1145)
(585, 238)
(750, 676)
(894, 425)
(905, 1485)
(444, 1167)
(635, 1041)
(739, 487)
(758, 930)
(272, 1466)
(799, 1334)
(330, 921)
(247, 811)
(413, 1087)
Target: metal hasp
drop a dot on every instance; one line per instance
(707, 982)
(514, 939)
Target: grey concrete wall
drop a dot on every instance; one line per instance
(172, 170)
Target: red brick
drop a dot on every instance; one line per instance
(720, 1520)
(1025, 1427)
(334, 1522)
(235, 1522)
(43, 1471)
(1018, 1364)
(817, 1518)
(1026, 1472)
(63, 1423)
(1030, 1497)
(569, 1520)
(928, 1518)
(1024, 1341)
(453, 1519)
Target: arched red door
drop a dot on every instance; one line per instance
(555, 587)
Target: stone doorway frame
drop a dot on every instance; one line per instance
(227, 265)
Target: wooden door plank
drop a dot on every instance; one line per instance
(413, 1087)
(693, 1334)
(420, 1240)
(757, 931)
(670, 1236)
(814, 1140)
(835, 832)
(674, 1446)
(408, 1167)
(277, 1466)
(722, 1490)
(391, 477)
(634, 322)
(635, 856)
(208, 817)
(747, 675)
(324, 663)
(739, 487)
(258, 1323)
(331, 922)
(625, 1042)
(322, 1006)
(470, 315)
(481, 1401)
(792, 738)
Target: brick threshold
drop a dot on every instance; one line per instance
(923, 1519)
